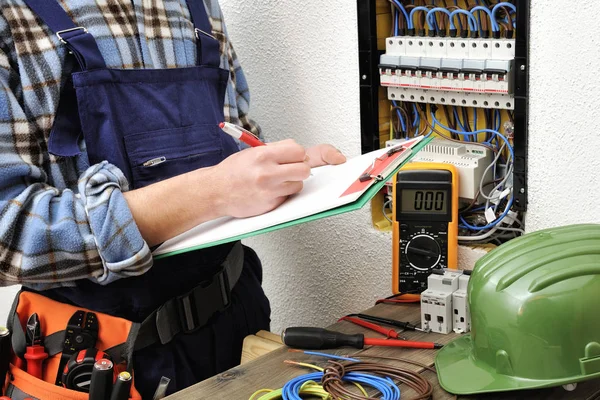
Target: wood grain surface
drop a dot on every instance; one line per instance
(269, 371)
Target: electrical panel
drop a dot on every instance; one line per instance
(457, 71)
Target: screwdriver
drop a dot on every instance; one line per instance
(122, 387)
(5, 351)
(322, 339)
(102, 380)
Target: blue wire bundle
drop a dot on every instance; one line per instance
(389, 390)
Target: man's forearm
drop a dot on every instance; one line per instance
(170, 207)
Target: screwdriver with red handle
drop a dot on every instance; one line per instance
(323, 339)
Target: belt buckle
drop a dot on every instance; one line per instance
(59, 33)
(194, 312)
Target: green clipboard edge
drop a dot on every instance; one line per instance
(355, 205)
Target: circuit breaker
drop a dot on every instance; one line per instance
(436, 301)
(460, 306)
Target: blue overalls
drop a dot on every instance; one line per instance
(153, 125)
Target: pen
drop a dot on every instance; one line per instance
(241, 134)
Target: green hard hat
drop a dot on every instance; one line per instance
(535, 315)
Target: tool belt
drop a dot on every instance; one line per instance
(73, 336)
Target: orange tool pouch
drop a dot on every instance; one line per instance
(116, 341)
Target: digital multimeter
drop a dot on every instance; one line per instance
(425, 224)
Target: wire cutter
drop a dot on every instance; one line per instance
(35, 353)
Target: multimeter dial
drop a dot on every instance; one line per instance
(423, 252)
(422, 249)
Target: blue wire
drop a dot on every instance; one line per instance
(458, 121)
(474, 122)
(465, 224)
(460, 25)
(396, 29)
(412, 13)
(495, 26)
(401, 7)
(402, 123)
(431, 14)
(432, 130)
(498, 120)
(330, 356)
(474, 133)
(417, 116)
(478, 209)
(503, 4)
(388, 389)
(496, 135)
(471, 18)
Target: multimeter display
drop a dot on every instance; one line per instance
(425, 226)
(425, 201)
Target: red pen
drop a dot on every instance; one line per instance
(241, 134)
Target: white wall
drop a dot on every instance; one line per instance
(301, 61)
(564, 143)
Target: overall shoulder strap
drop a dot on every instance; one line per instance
(208, 46)
(81, 43)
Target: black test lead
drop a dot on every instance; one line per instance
(102, 380)
(122, 387)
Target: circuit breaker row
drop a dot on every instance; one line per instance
(456, 48)
(462, 72)
(444, 305)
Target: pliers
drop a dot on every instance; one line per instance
(35, 353)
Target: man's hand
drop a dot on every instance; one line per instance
(257, 180)
(324, 154)
(250, 182)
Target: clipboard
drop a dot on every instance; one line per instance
(331, 190)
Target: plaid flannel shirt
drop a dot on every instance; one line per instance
(62, 219)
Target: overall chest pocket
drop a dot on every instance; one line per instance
(157, 155)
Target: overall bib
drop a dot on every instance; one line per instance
(156, 124)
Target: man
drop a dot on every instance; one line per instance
(109, 146)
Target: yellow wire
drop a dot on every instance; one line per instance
(309, 388)
(259, 392)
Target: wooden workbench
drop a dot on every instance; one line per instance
(269, 371)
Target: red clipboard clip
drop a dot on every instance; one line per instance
(369, 173)
(375, 172)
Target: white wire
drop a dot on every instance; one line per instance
(385, 204)
(479, 237)
(493, 164)
(492, 231)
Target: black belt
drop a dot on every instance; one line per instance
(191, 311)
(183, 314)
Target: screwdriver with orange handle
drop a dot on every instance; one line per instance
(323, 339)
